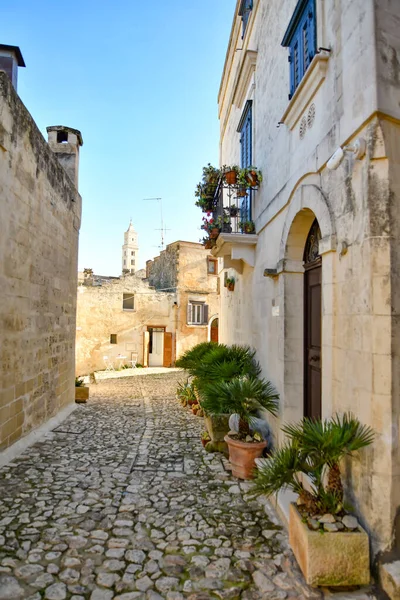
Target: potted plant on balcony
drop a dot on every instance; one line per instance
(230, 283)
(244, 396)
(232, 210)
(81, 391)
(247, 226)
(211, 227)
(249, 177)
(230, 174)
(341, 555)
(224, 224)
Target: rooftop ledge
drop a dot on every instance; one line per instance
(236, 248)
(306, 89)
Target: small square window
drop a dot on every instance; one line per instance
(128, 301)
(212, 266)
(113, 338)
(132, 253)
(62, 137)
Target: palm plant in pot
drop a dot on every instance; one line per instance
(244, 396)
(313, 454)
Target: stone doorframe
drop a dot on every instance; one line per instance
(307, 203)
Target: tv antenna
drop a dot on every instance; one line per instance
(163, 228)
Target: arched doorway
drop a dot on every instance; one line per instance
(214, 330)
(312, 323)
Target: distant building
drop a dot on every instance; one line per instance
(151, 316)
(40, 217)
(130, 250)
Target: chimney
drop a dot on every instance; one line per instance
(65, 142)
(10, 60)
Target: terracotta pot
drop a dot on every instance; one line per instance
(231, 177)
(81, 394)
(214, 233)
(204, 442)
(207, 245)
(242, 456)
(231, 287)
(191, 402)
(241, 192)
(252, 178)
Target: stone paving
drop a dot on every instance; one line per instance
(121, 502)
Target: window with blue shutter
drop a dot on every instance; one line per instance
(245, 9)
(301, 39)
(245, 130)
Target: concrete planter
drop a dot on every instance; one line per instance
(242, 456)
(217, 426)
(329, 559)
(81, 394)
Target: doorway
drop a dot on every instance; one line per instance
(156, 346)
(312, 324)
(214, 330)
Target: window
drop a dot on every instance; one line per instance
(197, 313)
(128, 301)
(212, 266)
(132, 262)
(301, 39)
(245, 130)
(124, 263)
(244, 12)
(113, 338)
(62, 137)
(132, 253)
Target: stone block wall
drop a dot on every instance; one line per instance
(40, 212)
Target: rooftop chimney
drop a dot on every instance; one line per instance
(65, 142)
(10, 60)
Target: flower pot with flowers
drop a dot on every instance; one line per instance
(230, 174)
(211, 227)
(205, 190)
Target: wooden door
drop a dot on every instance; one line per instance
(312, 395)
(312, 324)
(214, 331)
(167, 349)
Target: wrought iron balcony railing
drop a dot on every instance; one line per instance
(232, 208)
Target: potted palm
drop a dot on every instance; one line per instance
(244, 396)
(81, 391)
(313, 453)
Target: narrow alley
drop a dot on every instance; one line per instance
(121, 502)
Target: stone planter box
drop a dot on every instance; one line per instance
(329, 559)
(81, 394)
(217, 427)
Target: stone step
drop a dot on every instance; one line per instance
(390, 579)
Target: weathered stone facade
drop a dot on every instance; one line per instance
(347, 93)
(133, 309)
(40, 212)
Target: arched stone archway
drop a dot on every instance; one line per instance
(307, 204)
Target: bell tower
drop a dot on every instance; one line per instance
(130, 250)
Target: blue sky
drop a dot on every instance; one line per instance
(140, 80)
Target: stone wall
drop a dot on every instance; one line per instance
(40, 211)
(356, 207)
(100, 313)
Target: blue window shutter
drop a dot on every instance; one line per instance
(245, 140)
(300, 37)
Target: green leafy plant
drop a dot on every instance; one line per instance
(79, 382)
(191, 357)
(230, 283)
(205, 435)
(186, 393)
(247, 226)
(243, 396)
(314, 449)
(249, 176)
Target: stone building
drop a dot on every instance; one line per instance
(149, 317)
(130, 250)
(318, 284)
(40, 214)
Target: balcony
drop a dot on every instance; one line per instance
(237, 239)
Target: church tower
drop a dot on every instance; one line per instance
(130, 250)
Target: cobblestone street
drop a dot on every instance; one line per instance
(121, 502)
